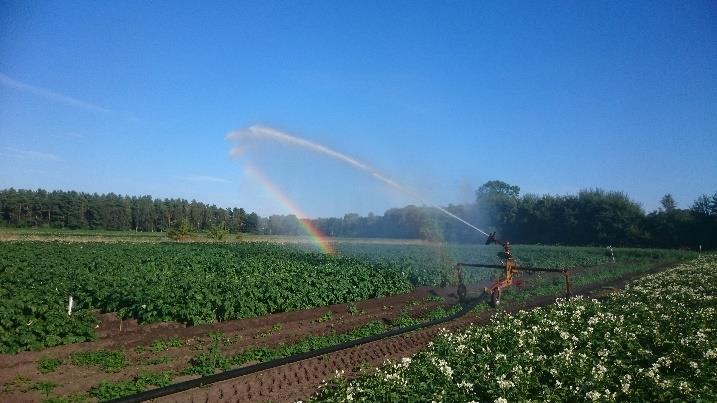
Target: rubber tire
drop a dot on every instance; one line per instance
(495, 298)
(462, 291)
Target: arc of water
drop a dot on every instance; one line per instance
(258, 131)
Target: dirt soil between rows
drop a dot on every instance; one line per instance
(300, 380)
(20, 376)
(19, 372)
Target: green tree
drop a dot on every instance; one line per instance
(704, 211)
(498, 188)
(181, 231)
(252, 223)
(668, 203)
(218, 231)
(705, 205)
(498, 201)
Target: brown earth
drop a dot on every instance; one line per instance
(286, 383)
(270, 330)
(300, 380)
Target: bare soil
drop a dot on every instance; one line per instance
(19, 372)
(300, 380)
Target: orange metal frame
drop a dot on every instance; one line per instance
(510, 267)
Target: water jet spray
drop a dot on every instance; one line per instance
(263, 132)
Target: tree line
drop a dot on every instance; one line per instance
(76, 210)
(591, 217)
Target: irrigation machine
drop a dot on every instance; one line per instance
(510, 268)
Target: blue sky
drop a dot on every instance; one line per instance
(137, 98)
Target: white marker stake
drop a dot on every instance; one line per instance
(70, 303)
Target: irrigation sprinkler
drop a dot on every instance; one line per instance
(509, 267)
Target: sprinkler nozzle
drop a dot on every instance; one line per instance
(491, 239)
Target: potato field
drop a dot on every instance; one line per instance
(205, 283)
(202, 308)
(654, 341)
(188, 283)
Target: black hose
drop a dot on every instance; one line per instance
(235, 373)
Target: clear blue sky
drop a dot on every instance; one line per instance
(136, 98)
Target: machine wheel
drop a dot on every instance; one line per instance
(462, 292)
(495, 298)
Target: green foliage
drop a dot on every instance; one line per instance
(499, 203)
(180, 231)
(46, 365)
(20, 383)
(106, 360)
(438, 313)
(497, 188)
(653, 341)
(274, 329)
(83, 213)
(190, 283)
(45, 387)
(218, 232)
(24, 385)
(33, 314)
(204, 283)
(165, 344)
(668, 203)
(106, 390)
(352, 309)
(441, 312)
(162, 359)
(74, 398)
(325, 317)
(207, 362)
(705, 206)
(430, 265)
(591, 217)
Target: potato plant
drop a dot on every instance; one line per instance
(190, 283)
(433, 264)
(654, 341)
(204, 283)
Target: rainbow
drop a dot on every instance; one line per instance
(316, 235)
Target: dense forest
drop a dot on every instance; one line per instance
(592, 217)
(74, 210)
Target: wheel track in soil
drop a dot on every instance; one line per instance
(299, 380)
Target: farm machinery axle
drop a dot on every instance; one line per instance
(509, 267)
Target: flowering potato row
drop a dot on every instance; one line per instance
(654, 341)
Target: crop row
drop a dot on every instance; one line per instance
(433, 264)
(191, 283)
(654, 341)
(204, 283)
